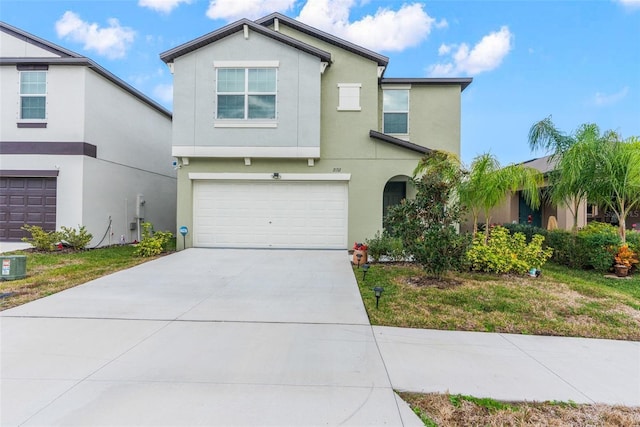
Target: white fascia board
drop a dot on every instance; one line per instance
(241, 152)
(269, 176)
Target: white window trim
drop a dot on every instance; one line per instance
(406, 134)
(21, 95)
(343, 105)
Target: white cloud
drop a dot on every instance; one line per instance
(486, 55)
(162, 6)
(602, 99)
(112, 41)
(232, 10)
(444, 49)
(387, 30)
(164, 93)
(630, 4)
(442, 24)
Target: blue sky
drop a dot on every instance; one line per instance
(578, 61)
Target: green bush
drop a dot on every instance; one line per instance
(40, 239)
(597, 244)
(77, 239)
(426, 224)
(152, 243)
(505, 253)
(528, 230)
(633, 240)
(382, 244)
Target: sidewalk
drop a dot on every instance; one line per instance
(512, 367)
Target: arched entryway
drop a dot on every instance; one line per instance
(395, 190)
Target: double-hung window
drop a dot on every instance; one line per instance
(33, 95)
(395, 109)
(246, 93)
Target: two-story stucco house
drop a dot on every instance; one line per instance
(79, 146)
(288, 137)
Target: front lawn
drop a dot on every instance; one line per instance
(51, 272)
(561, 302)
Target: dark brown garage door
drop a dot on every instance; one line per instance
(26, 201)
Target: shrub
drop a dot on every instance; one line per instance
(382, 244)
(597, 244)
(426, 224)
(77, 239)
(505, 253)
(528, 230)
(40, 239)
(152, 243)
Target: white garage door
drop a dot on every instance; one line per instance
(268, 214)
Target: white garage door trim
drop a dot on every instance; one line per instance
(257, 211)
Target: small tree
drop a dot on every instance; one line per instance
(427, 224)
(487, 183)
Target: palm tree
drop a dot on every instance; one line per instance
(487, 185)
(616, 177)
(601, 168)
(570, 181)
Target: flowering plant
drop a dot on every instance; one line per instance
(360, 247)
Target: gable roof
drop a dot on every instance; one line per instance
(326, 37)
(233, 28)
(399, 142)
(462, 81)
(68, 57)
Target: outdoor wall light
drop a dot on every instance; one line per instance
(276, 175)
(378, 292)
(365, 268)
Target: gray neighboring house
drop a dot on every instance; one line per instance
(79, 146)
(288, 137)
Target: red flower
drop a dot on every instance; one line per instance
(360, 247)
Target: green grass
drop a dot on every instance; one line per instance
(51, 272)
(562, 302)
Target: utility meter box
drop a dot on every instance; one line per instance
(13, 267)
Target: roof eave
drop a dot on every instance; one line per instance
(37, 41)
(463, 82)
(235, 27)
(399, 142)
(331, 39)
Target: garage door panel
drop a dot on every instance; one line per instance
(270, 214)
(26, 200)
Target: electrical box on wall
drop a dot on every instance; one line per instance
(132, 226)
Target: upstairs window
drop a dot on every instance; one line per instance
(246, 93)
(33, 95)
(395, 111)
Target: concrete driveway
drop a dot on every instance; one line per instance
(201, 337)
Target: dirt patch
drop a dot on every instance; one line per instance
(430, 282)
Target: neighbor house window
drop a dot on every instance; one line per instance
(33, 95)
(395, 109)
(246, 93)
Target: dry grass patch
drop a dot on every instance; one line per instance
(447, 410)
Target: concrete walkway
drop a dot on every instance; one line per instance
(13, 246)
(250, 337)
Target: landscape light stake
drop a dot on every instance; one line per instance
(378, 292)
(365, 268)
